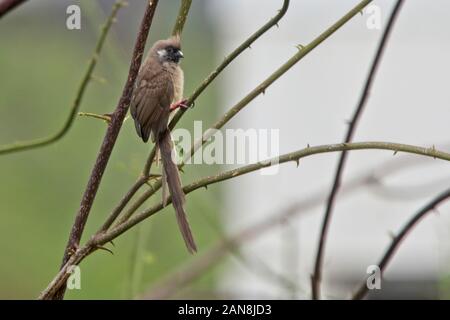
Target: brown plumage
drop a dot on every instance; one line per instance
(160, 84)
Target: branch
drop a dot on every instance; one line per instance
(182, 16)
(8, 5)
(193, 269)
(232, 56)
(103, 117)
(36, 143)
(316, 277)
(102, 238)
(110, 138)
(293, 156)
(401, 236)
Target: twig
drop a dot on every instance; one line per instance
(110, 138)
(25, 145)
(8, 5)
(193, 269)
(316, 277)
(401, 236)
(103, 117)
(101, 239)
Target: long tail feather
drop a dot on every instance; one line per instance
(174, 183)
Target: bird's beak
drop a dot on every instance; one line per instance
(180, 54)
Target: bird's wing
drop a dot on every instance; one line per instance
(151, 102)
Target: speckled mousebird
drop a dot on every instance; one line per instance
(158, 91)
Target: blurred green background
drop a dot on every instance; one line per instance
(42, 64)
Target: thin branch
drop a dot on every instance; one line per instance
(103, 117)
(193, 269)
(110, 138)
(362, 291)
(232, 56)
(316, 277)
(36, 143)
(290, 157)
(182, 16)
(8, 5)
(103, 238)
(260, 89)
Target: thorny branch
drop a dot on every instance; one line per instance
(7, 5)
(197, 92)
(109, 140)
(100, 239)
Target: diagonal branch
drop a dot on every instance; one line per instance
(100, 239)
(197, 92)
(110, 138)
(444, 196)
(289, 157)
(316, 277)
(36, 143)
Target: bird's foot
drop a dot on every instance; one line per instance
(179, 104)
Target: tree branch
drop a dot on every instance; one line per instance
(109, 140)
(8, 5)
(316, 277)
(362, 291)
(36, 143)
(100, 239)
(182, 16)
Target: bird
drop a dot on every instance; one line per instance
(158, 91)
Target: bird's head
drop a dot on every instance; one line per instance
(168, 50)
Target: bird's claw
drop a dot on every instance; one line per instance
(179, 104)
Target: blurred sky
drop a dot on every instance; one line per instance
(409, 103)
